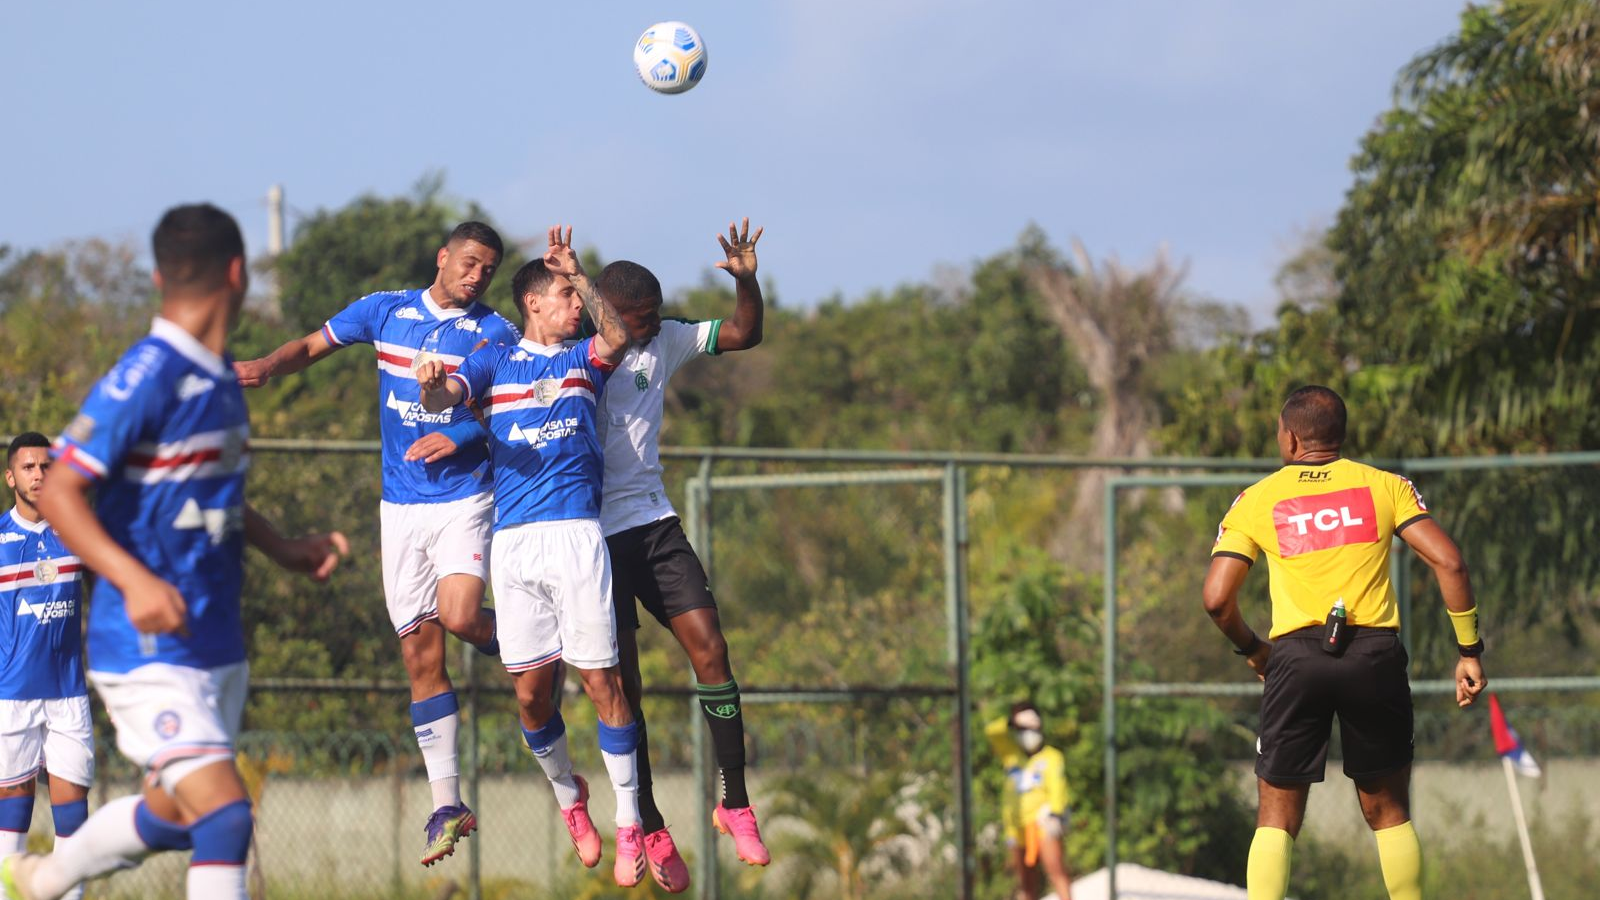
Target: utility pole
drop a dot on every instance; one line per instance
(275, 220)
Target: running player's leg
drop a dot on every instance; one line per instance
(179, 724)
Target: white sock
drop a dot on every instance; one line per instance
(13, 842)
(557, 767)
(216, 882)
(437, 740)
(446, 792)
(108, 841)
(62, 843)
(624, 771)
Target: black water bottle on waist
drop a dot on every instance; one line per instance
(1336, 631)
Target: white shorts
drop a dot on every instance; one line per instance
(172, 720)
(552, 595)
(56, 735)
(424, 542)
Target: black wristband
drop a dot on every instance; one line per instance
(1471, 651)
(1255, 644)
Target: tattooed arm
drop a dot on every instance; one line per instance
(611, 338)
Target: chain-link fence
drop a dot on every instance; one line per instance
(843, 579)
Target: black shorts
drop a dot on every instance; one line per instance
(655, 563)
(1366, 687)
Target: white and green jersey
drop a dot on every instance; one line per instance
(630, 423)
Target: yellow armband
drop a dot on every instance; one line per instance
(1466, 626)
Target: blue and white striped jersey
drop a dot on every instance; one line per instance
(166, 436)
(41, 613)
(408, 328)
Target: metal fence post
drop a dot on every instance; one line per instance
(1109, 698)
(699, 495)
(955, 574)
(475, 849)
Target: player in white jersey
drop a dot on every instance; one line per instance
(552, 579)
(44, 703)
(163, 439)
(650, 557)
(437, 489)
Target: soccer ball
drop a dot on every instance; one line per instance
(670, 57)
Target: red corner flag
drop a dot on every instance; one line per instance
(1508, 744)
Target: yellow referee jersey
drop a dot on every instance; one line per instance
(1326, 530)
(1033, 783)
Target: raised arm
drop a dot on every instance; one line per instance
(743, 330)
(292, 357)
(439, 392)
(611, 338)
(154, 606)
(1444, 558)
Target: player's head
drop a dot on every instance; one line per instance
(633, 291)
(1313, 419)
(27, 459)
(551, 308)
(467, 263)
(200, 255)
(1027, 726)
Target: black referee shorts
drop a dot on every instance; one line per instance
(655, 563)
(1366, 687)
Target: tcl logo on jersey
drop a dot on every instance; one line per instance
(1325, 521)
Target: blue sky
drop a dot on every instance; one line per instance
(877, 141)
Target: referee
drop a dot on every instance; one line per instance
(1325, 525)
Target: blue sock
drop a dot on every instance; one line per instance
(222, 836)
(16, 813)
(540, 739)
(621, 740)
(69, 817)
(157, 833)
(434, 708)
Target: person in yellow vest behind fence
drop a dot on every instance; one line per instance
(1034, 802)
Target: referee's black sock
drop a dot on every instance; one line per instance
(720, 703)
(650, 820)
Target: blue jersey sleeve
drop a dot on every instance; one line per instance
(357, 323)
(499, 330)
(476, 374)
(123, 408)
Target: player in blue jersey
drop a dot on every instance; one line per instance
(44, 704)
(552, 577)
(163, 440)
(437, 507)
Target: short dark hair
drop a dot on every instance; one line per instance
(625, 284)
(23, 441)
(532, 278)
(478, 231)
(1022, 706)
(1316, 415)
(193, 245)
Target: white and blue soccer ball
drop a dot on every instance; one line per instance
(670, 57)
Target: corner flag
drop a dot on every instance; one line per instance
(1508, 744)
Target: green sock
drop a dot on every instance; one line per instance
(724, 716)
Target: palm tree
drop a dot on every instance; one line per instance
(833, 834)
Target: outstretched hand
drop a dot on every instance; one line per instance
(560, 258)
(317, 555)
(740, 247)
